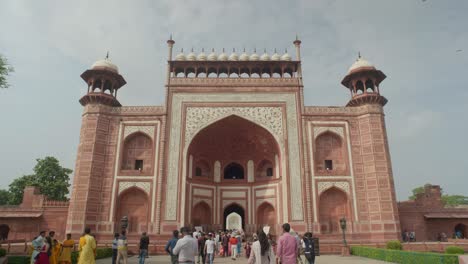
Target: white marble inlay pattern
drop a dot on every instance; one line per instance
(295, 186)
(148, 130)
(320, 129)
(265, 192)
(145, 186)
(234, 195)
(199, 117)
(323, 186)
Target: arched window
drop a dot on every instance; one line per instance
(330, 155)
(370, 86)
(137, 153)
(359, 87)
(202, 169)
(265, 169)
(198, 171)
(233, 171)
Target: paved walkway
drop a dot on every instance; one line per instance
(242, 260)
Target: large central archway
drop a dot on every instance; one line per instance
(225, 161)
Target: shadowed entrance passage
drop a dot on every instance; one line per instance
(233, 208)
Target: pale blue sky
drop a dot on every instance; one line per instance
(414, 42)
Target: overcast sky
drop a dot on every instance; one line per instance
(415, 43)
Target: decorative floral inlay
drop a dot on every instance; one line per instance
(148, 130)
(198, 117)
(142, 185)
(323, 186)
(337, 130)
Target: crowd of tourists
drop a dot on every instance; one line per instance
(48, 250)
(195, 246)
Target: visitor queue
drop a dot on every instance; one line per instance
(194, 246)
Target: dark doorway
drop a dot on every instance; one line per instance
(4, 230)
(233, 171)
(234, 208)
(460, 231)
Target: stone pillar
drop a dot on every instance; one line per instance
(250, 171)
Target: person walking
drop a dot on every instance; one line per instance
(309, 248)
(262, 250)
(201, 248)
(87, 248)
(186, 248)
(144, 242)
(171, 245)
(225, 244)
(210, 249)
(122, 248)
(287, 246)
(115, 248)
(233, 243)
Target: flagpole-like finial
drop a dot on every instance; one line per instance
(359, 54)
(170, 37)
(107, 55)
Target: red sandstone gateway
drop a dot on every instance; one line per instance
(233, 147)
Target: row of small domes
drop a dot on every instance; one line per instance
(232, 57)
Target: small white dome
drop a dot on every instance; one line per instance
(180, 56)
(359, 63)
(275, 56)
(105, 64)
(233, 56)
(286, 57)
(244, 56)
(201, 56)
(191, 56)
(212, 56)
(265, 56)
(254, 56)
(223, 56)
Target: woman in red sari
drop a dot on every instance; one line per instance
(43, 257)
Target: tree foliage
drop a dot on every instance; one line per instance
(51, 178)
(447, 199)
(5, 70)
(4, 197)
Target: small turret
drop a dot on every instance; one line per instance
(363, 80)
(103, 81)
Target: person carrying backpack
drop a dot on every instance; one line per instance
(309, 248)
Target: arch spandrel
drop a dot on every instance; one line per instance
(270, 118)
(145, 130)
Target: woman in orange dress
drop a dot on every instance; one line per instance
(66, 251)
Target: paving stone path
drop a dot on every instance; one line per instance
(242, 260)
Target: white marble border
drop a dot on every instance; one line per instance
(172, 199)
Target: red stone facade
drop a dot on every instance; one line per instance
(428, 217)
(234, 136)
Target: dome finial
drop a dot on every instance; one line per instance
(182, 50)
(212, 49)
(192, 49)
(297, 37)
(233, 49)
(275, 50)
(203, 50)
(359, 54)
(107, 55)
(264, 50)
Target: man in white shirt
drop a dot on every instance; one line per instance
(186, 248)
(210, 247)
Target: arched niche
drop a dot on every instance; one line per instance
(333, 205)
(133, 203)
(202, 169)
(201, 214)
(137, 153)
(241, 139)
(234, 211)
(330, 153)
(266, 216)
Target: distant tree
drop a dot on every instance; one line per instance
(51, 178)
(417, 191)
(454, 200)
(5, 70)
(17, 188)
(4, 197)
(449, 200)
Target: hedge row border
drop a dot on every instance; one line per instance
(404, 257)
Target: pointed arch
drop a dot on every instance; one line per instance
(137, 153)
(266, 216)
(133, 203)
(333, 205)
(330, 152)
(201, 214)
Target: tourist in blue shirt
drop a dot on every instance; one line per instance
(171, 245)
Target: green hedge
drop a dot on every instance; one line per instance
(100, 253)
(404, 257)
(2, 252)
(454, 250)
(394, 244)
